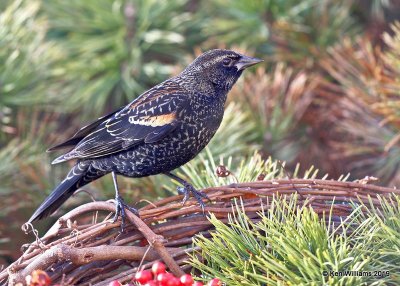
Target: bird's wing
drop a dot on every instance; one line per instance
(147, 119)
(84, 131)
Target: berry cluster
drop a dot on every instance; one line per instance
(158, 276)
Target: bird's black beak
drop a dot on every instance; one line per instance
(246, 62)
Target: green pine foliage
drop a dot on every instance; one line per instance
(380, 229)
(291, 31)
(292, 245)
(114, 50)
(203, 171)
(24, 54)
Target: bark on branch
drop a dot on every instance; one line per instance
(82, 256)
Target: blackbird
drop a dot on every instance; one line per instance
(159, 131)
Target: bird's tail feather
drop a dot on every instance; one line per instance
(60, 159)
(73, 181)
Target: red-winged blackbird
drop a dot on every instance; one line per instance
(161, 130)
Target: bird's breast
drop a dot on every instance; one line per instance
(205, 112)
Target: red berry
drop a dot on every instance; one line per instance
(115, 283)
(144, 242)
(143, 276)
(163, 278)
(197, 283)
(158, 267)
(39, 278)
(214, 282)
(187, 280)
(151, 283)
(174, 281)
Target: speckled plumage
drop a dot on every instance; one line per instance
(161, 130)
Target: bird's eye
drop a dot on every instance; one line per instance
(226, 62)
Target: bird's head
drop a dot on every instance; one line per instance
(220, 68)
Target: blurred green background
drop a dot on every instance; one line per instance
(327, 95)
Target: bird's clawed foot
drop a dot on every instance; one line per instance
(188, 190)
(120, 207)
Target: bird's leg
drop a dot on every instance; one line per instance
(120, 205)
(188, 189)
